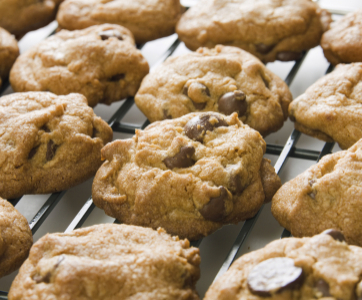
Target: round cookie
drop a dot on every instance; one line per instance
(331, 109)
(15, 238)
(342, 43)
(100, 62)
(48, 143)
(146, 19)
(271, 30)
(9, 51)
(21, 16)
(327, 195)
(109, 261)
(320, 267)
(224, 79)
(189, 175)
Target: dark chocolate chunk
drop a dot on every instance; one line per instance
(235, 185)
(33, 152)
(336, 234)
(264, 49)
(117, 77)
(214, 210)
(51, 149)
(323, 287)
(105, 35)
(274, 275)
(183, 159)
(196, 128)
(288, 55)
(233, 102)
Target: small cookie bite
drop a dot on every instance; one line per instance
(190, 175)
(107, 262)
(9, 51)
(271, 30)
(48, 143)
(327, 195)
(331, 109)
(146, 19)
(342, 43)
(223, 79)
(15, 238)
(100, 62)
(321, 267)
(21, 16)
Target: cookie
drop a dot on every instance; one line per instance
(327, 195)
(15, 238)
(100, 62)
(224, 79)
(21, 16)
(342, 43)
(109, 261)
(48, 143)
(9, 51)
(331, 109)
(189, 175)
(271, 30)
(321, 267)
(146, 19)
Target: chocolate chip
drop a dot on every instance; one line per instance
(264, 49)
(235, 185)
(183, 159)
(214, 210)
(33, 152)
(274, 275)
(117, 77)
(105, 35)
(199, 106)
(289, 55)
(51, 149)
(45, 128)
(323, 288)
(196, 128)
(233, 102)
(335, 234)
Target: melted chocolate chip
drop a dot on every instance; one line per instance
(183, 159)
(323, 288)
(51, 149)
(105, 35)
(117, 77)
(274, 275)
(288, 55)
(214, 210)
(335, 234)
(33, 152)
(235, 185)
(264, 49)
(196, 128)
(233, 102)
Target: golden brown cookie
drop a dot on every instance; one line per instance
(48, 143)
(189, 175)
(107, 262)
(146, 19)
(9, 51)
(321, 267)
(327, 195)
(342, 43)
(21, 16)
(331, 109)
(100, 62)
(15, 238)
(223, 79)
(271, 30)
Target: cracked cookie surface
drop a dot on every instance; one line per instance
(9, 51)
(107, 262)
(327, 195)
(146, 19)
(100, 62)
(223, 79)
(321, 267)
(15, 238)
(331, 108)
(48, 143)
(271, 30)
(189, 175)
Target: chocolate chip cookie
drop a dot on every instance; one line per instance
(48, 143)
(147, 19)
(21, 16)
(271, 30)
(342, 43)
(15, 238)
(109, 261)
(327, 195)
(321, 267)
(189, 175)
(331, 108)
(223, 79)
(100, 62)
(9, 51)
